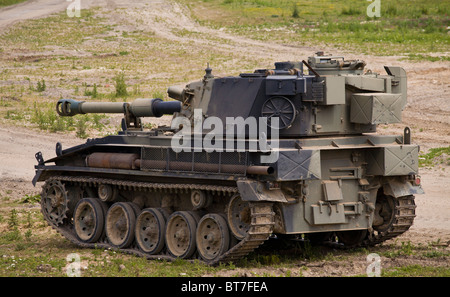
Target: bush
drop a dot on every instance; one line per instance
(295, 12)
(41, 86)
(121, 86)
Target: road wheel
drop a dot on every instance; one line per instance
(213, 236)
(120, 224)
(150, 230)
(89, 219)
(180, 234)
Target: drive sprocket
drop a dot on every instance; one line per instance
(54, 202)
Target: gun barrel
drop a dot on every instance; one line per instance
(139, 108)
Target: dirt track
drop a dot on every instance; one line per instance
(428, 110)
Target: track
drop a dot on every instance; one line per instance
(261, 222)
(403, 214)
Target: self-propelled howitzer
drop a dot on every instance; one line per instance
(288, 151)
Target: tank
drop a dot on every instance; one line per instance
(290, 152)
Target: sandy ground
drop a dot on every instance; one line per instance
(427, 112)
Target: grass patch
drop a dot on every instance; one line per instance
(416, 271)
(435, 156)
(29, 247)
(422, 57)
(10, 2)
(43, 116)
(120, 85)
(44, 60)
(404, 28)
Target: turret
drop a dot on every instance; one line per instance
(327, 95)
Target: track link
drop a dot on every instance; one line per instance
(404, 214)
(261, 214)
(403, 219)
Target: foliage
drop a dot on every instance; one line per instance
(10, 2)
(41, 86)
(120, 85)
(36, 198)
(435, 156)
(408, 27)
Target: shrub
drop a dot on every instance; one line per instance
(121, 86)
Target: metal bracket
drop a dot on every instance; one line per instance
(131, 121)
(39, 158)
(407, 136)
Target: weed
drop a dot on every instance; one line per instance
(406, 249)
(28, 234)
(14, 115)
(136, 90)
(81, 126)
(12, 236)
(31, 198)
(350, 11)
(120, 85)
(96, 121)
(41, 86)
(159, 95)
(93, 93)
(295, 12)
(417, 270)
(435, 254)
(13, 221)
(435, 156)
(47, 119)
(29, 220)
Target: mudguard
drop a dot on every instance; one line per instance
(396, 188)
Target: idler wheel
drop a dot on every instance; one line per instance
(180, 234)
(239, 217)
(89, 219)
(213, 236)
(150, 230)
(121, 223)
(384, 215)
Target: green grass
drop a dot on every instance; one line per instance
(90, 58)
(410, 28)
(29, 247)
(10, 2)
(424, 57)
(416, 271)
(435, 156)
(43, 115)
